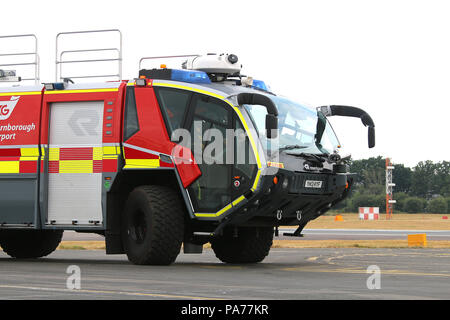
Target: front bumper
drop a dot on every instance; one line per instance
(298, 197)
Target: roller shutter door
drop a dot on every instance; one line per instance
(75, 163)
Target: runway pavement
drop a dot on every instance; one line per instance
(285, 274)
(316, 234)
(368, 234)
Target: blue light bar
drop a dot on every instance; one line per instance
(54, 86)
(191, 76)
(259, 84)
(59, 86)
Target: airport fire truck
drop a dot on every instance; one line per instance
(174, 158)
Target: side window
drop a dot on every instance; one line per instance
(211, 116)
(244, 158)
(211, 110)
(173, 103)
(131, 122)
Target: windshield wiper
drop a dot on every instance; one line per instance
(311, 156)
(291, 147)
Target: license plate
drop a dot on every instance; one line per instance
(313, 184)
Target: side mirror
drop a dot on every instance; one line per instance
(272, 111)
(347, 111)
(271, 126)
(371, 137)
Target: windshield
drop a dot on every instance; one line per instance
(301, 129)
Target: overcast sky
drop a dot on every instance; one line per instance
(391, 58)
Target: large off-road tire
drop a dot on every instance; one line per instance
(24, 244)
(251, 245)
(153, 225)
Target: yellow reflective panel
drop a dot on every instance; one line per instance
(76, 166)
(141, 163)
(53, 154)
(9, 166)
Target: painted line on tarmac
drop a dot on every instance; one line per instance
(361, 271)
(155, 295)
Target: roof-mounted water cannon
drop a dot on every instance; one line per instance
(217, 66)
(202, 69)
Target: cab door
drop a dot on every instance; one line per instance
(208, 122)
(216, 137)
(205, 121)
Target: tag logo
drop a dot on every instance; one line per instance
(7, 107)
(308, 167)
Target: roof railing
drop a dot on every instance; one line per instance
(61, 61)
(33, 53)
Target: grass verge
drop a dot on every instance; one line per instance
(394, 243)
(81, 245)
(398, 222)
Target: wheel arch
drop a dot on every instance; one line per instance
(125, 182)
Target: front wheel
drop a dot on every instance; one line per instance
(24, 244)
(247, 245)
(153, 225)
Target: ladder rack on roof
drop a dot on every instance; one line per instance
(60, 54)
(33, 53)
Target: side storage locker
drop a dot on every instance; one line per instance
(20, 109)
(75, 163)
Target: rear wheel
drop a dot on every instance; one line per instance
(248, 245)
(30, 243)
(153, 225)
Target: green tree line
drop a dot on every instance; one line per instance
(423, 188)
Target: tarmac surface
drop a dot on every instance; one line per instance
(284, 274)
(365, 234)
(314, 234)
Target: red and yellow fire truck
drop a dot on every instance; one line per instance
(143, 163)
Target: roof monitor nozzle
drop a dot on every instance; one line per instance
(232, 58)
(217, 64)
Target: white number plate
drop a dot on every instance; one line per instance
(313, 184)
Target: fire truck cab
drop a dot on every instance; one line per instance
(177, 156)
